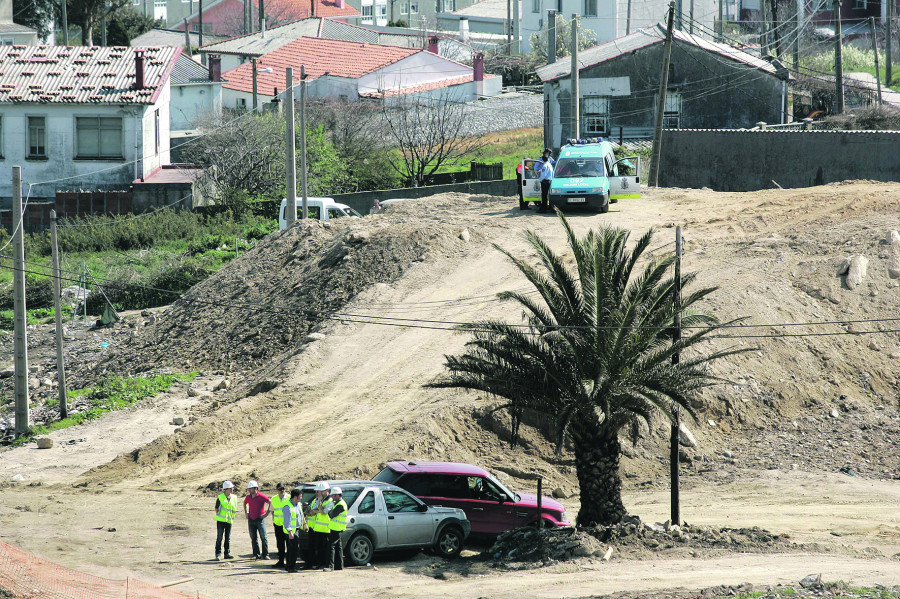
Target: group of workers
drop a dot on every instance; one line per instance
(324, 518)
(543, 169)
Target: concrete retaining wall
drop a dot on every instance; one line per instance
(731, 160)
(363, 201)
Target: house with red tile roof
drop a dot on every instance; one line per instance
(226, 17)
(354, 70)
(84, 117)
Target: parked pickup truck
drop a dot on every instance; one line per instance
(382, 516)
(317, 209)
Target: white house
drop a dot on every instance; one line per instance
(611, 19)
(352, 70)
(12, 33)
(83, 117)
(196, 92)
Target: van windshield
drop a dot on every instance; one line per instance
(580, 167)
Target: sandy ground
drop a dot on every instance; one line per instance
(362, 386)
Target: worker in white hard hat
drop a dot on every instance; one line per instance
(256, 507)
(319, 527)
(226, 508)
(337, 524)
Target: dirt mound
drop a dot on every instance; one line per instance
(269, 300)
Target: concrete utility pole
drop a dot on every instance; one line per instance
(262, 18)
(721, 31)
(551, 37)
(679, 14)
(515, 23)
(628, 19)
(838, 59)
(200, 31)
(661, 99)
(798, 18)
(255, 85)
(290, 210)
(763, 28)
(57, 307)
(676, 358)
(20, 332)
(875, 52)
(65, 25)
(576, 104)
(303, 139)
(509, 26)
(888, 33)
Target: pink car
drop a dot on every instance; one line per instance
(490, 507)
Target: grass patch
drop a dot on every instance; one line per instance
(112, 393)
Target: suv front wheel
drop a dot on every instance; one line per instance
(449, 543)
(360, 549)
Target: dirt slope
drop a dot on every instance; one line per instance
(344, 401)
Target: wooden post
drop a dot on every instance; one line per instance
(290, 210)
(676, 422)
(838, 59)
(661, 99)
(875, 51)
(540, 501)
(576, 105)
(57, 307)
(20, 318)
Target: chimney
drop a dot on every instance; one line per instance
(313, 3)
(342, 4)
(433, 44)
(215, 67)
(138, 69)
(478, 72)
(464, 30)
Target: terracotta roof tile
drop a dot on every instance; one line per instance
(320, 57)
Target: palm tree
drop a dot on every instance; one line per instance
(594, 354)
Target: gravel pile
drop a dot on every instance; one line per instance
(505, 113)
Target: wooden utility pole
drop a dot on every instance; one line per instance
(875, 52)
(20, 316)
(255, 85)
(838, 60)
(303, 139)
(661, 99)
(57, 307)
(290, 210)
(576, 104)
(676, 421)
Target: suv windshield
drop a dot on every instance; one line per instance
(580, 167)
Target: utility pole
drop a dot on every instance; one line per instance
(875, 52)
(628, 19)
(290, 210)
(200, 32)
(576, 105)
(65, 24)
(551, 39)
(57, 307)
(515, 27)
(679, 15)
(20, 333)
(691, 24)
(676, 357)
(103, 31)
(721, 31)
(763, 28)
(255, 85)
(888, 33)
(798, 18)
(509, 27)
(262, 18)
(661, 99)
(838, 59)
(246, 28)
(303, 139)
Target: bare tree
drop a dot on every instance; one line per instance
(428, 135)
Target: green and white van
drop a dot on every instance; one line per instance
(588, 175)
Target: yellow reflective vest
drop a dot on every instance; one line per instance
(339, 522)
(320, 522)
(227, 508)
(277, 504)
(295, 523)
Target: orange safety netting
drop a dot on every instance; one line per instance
(28, 576)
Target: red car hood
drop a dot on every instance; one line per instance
(548, 503)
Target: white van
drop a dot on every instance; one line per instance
(317, 208)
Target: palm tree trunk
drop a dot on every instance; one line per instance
(597, 466)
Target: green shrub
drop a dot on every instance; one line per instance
(38, 293)
(260, 227)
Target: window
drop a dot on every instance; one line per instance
(596, 115)
(536, 6)
(241, 103)
(367, 505)
(37, 137)
(98, 137)
(860, 4)
(399, 502)
(672, 111)
(7, 42)
(590, 8)
(482, 488)
(367, 11)
(404, 8)
(335, 213)
(413, 8)
(382, 10)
